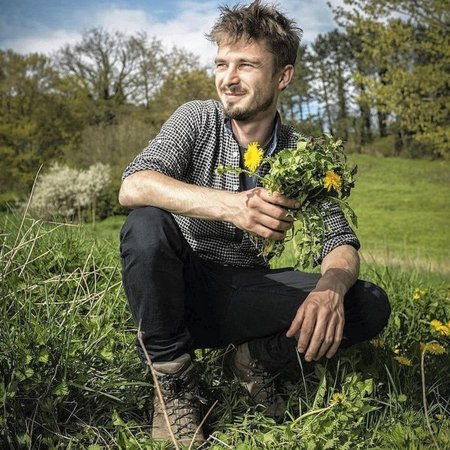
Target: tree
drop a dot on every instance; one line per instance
(408, 41)
(323, 86)
(103, 63)
(180, 87)
(332, 62)
(295, 101)
(34, 120)
(65, 192)
(150, 68)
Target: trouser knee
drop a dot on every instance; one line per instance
(382, 310)
(146, 230)
(368, 311)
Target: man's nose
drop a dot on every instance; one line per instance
(231, 76)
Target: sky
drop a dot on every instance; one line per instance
(46, 25)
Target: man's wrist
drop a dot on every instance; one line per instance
(336, 280)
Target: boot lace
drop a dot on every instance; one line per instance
(182, 403)
(264, 391)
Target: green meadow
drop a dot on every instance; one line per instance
(404, 211)
(70, 377)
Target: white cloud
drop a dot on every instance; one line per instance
(185, 30)
(46, 41)
(129, 21)
(188, 31)
(312, 17)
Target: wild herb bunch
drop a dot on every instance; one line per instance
(316, 174)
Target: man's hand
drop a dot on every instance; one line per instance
(319, 324)
(263, 213)
(319, 321)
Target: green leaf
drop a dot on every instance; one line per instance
(62, 389)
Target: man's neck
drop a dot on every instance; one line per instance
(253, 131)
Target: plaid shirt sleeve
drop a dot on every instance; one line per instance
(171, 150)
(338, 231)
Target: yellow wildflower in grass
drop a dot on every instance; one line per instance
(418, 294)
(396, 349)
(253, 156)
(432, 347)
(337, 398)
(440, 327)
(403, 360)
(332, 181)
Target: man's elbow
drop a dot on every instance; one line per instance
(342, 256)
(125, 195)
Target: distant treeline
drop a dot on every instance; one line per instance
(380, 82)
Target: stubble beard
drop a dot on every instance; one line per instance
(246, 113)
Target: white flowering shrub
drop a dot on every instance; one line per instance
(66, 192)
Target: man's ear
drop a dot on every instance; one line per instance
(286, 77)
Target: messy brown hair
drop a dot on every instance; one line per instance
(259, 22)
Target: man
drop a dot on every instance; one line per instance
(192, 276)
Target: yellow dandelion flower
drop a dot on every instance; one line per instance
(332, 181)
(253, 156)
(403, 360)
(418, 294)
(440, 327)
(337, 398)
(433, 347)
(377, 343)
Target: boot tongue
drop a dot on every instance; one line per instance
(175, 366)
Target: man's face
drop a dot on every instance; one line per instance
(245, 80)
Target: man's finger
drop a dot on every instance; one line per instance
(311, 336)
(329, 339)
(296, 324)
(338, 333)
(278, 199)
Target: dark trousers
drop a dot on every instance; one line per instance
(182, 302)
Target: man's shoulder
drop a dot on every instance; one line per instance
(207, 108)
(287, 137)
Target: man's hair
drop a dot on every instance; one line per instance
(259, 22)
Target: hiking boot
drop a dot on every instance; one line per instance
(256, 380)
(179, 390)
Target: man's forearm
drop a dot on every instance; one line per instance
(255, 210)
(150, 188)
(340, 269)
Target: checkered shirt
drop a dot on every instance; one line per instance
(189, 147)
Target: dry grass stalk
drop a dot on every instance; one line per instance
(158, 390)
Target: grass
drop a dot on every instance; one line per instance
(70, 377)
(402, 206)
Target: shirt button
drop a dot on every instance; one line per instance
(236, 187)
(235, 154)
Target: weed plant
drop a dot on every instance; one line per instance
(70, 377)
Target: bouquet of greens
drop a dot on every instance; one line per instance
(315, 173)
